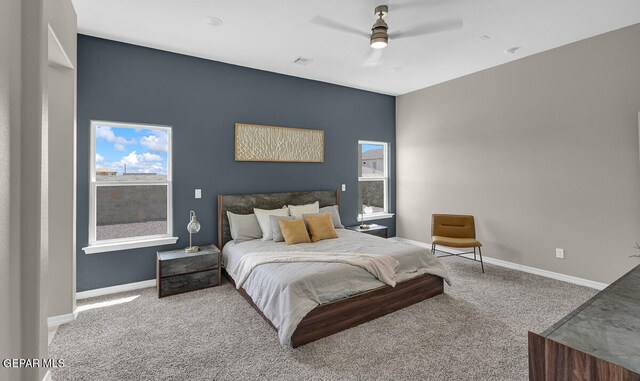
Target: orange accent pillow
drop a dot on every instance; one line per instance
(294, 231)
(321, 227)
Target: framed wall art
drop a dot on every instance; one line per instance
(278, 144)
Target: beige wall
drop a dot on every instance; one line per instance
(23, 331)
(10, 269)
(32, 165)
(24, 200)
(61, 88)
(543, 151)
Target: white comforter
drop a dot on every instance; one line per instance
(382, 267)
(287, 292)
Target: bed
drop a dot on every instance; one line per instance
(304, 302)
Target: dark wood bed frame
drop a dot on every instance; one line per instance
(329, 318)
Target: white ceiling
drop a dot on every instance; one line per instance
(269, 35)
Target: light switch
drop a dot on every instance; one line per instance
(198, 193)
(344, 187)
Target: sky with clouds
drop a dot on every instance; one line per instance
(142, 150)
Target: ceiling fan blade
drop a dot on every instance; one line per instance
(374, 57)
(397, 6)
(431, 28)
(334, 25)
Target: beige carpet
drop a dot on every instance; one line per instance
(477, 330)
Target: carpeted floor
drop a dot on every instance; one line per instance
(477, 330)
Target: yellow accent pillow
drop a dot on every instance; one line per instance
(294, 231)
(321, 227)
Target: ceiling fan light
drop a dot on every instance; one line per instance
(379, 43)
(379, 35)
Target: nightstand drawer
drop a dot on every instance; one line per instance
(178, 271)
(187, 282)
(373, 229)
(380, 233)
(188, 264)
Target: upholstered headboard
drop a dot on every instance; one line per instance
(244, 204)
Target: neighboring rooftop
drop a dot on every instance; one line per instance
(105, 172)
(106, 177)
(373, 154)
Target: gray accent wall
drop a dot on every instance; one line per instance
(203, 100)
(543, 151)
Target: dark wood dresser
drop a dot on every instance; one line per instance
(377, 230)
(178, 272)
(600, 340)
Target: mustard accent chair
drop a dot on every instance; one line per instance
(457, 231)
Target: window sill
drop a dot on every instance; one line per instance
(376, 216)
(106, 247)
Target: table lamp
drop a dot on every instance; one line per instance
(362, 224)
(193, 227)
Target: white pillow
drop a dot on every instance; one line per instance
(264, 220)
(298, 210)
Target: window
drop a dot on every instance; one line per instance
(130, 186)
(373, 180)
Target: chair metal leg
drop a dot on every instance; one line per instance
(474, 254)
(481, 263)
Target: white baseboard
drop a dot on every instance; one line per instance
(55, 321)
(47, 376)
(115, 289)
(519, 267)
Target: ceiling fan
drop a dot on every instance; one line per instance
(380, 36)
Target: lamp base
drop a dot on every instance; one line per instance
(192, 249)
(364, 226)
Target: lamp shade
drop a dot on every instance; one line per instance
(193, 226)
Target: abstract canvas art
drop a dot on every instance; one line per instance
(279, 144)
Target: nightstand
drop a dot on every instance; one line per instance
(377, 230)
(178, 272)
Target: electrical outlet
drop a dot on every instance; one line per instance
(344, 187)
(198, 193)
(560, 253)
